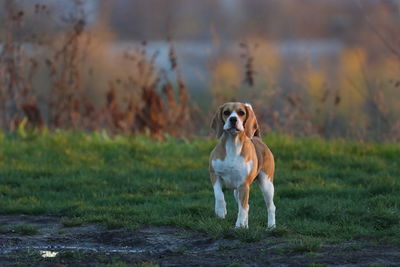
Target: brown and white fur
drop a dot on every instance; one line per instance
(239, 158)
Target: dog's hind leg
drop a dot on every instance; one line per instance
(267, 189)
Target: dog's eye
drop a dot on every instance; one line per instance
(241, 113)
(226, 113)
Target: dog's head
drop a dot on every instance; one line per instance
(235, 118)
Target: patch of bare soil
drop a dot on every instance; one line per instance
(89, 245)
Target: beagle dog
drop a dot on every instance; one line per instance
(239, 158)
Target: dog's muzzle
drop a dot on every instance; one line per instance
(233, 123)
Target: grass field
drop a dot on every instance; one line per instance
(326, 191)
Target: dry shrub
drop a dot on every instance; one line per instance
(68, 103)
(137, 97)
(70, 79)
(16, 98)
(151, 102)
(361, 102)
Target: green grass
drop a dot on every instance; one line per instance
(325, 190)
(25, 229)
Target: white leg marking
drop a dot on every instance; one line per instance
(220, 205)
(267, 188)
(243, 217)
(243, 213)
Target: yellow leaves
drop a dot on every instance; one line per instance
(227, 70)
(228, 75)
(352, 86)
(352, 60)
(267, 61)
(225, 80)
(315, 83)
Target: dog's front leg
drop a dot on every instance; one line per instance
(220, 205)
(242, 194)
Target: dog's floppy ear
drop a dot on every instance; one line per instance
(217, 124)
(251, 125)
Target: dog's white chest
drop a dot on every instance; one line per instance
(233, 170)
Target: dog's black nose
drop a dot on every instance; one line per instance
(233, 120)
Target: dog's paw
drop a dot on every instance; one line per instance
(241, 225)
(220, 211)
(242, 222)
(271, 227)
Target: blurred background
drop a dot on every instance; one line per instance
(309, 67)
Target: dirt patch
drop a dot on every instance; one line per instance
(53, 245)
